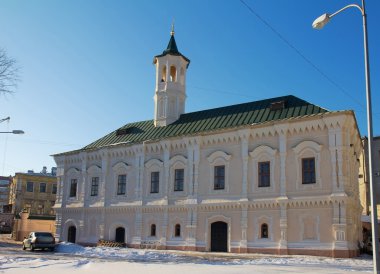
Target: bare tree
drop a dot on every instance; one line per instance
(8, 73)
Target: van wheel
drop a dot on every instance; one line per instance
(31, 247)
(23, 247)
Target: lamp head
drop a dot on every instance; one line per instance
(18, 131)
(321, 21)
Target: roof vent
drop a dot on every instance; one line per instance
(122, 131)
(128, 130)
(277, 105)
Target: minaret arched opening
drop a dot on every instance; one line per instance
(163, 79)
(173, 74)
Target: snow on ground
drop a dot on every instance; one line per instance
(77, 259)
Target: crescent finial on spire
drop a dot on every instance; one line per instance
(172, 31)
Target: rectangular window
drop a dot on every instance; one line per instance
(121, 184)
(29, 186)
(308, 171)
(154, 182)
(54, 189)
(73, 188)
(264, 174)
(219, 176)
(94, 186)
(42, 187)
(178, 179)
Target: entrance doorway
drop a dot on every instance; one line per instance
(71, 234)
(219, 236)
(120, 235)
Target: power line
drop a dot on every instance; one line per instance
(286, 41)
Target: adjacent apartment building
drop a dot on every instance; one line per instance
(277, 176)
(4, 193)
(34, 192)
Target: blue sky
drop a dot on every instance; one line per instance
(86, 65)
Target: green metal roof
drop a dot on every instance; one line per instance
(257, 112)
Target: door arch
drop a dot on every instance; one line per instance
(71, 234)
(219, 237)
(120, 235)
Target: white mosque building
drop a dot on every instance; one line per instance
(276, 176)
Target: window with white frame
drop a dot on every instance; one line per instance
(94, 172)
(154, 182)
(308, 170)
(94, 186)
(263, 166)
(308, 155)
(121, 184)
(264, 174)
(263, 227)
(153, 173)
(219, 177)
(178, 175)
(73, 187)
(219, 171)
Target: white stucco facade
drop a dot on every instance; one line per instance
(321, 218)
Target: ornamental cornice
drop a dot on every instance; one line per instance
(272, 203)
(218, 138)
(334, 122)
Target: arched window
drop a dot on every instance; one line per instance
(264, 231)
(177, 230)
(153, 230)
(163, 79)
(173, 74)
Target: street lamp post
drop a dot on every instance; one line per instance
(319, 23)
(15, 131)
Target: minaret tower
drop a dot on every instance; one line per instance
(170, 94)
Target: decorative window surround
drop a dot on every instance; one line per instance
(258, 222)
(93, 171)
(263, 154)
(178, 162)
(219, 158)
(172, 229)
(120, 168)
(153, 165)
(72, 174)
(308, 149)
